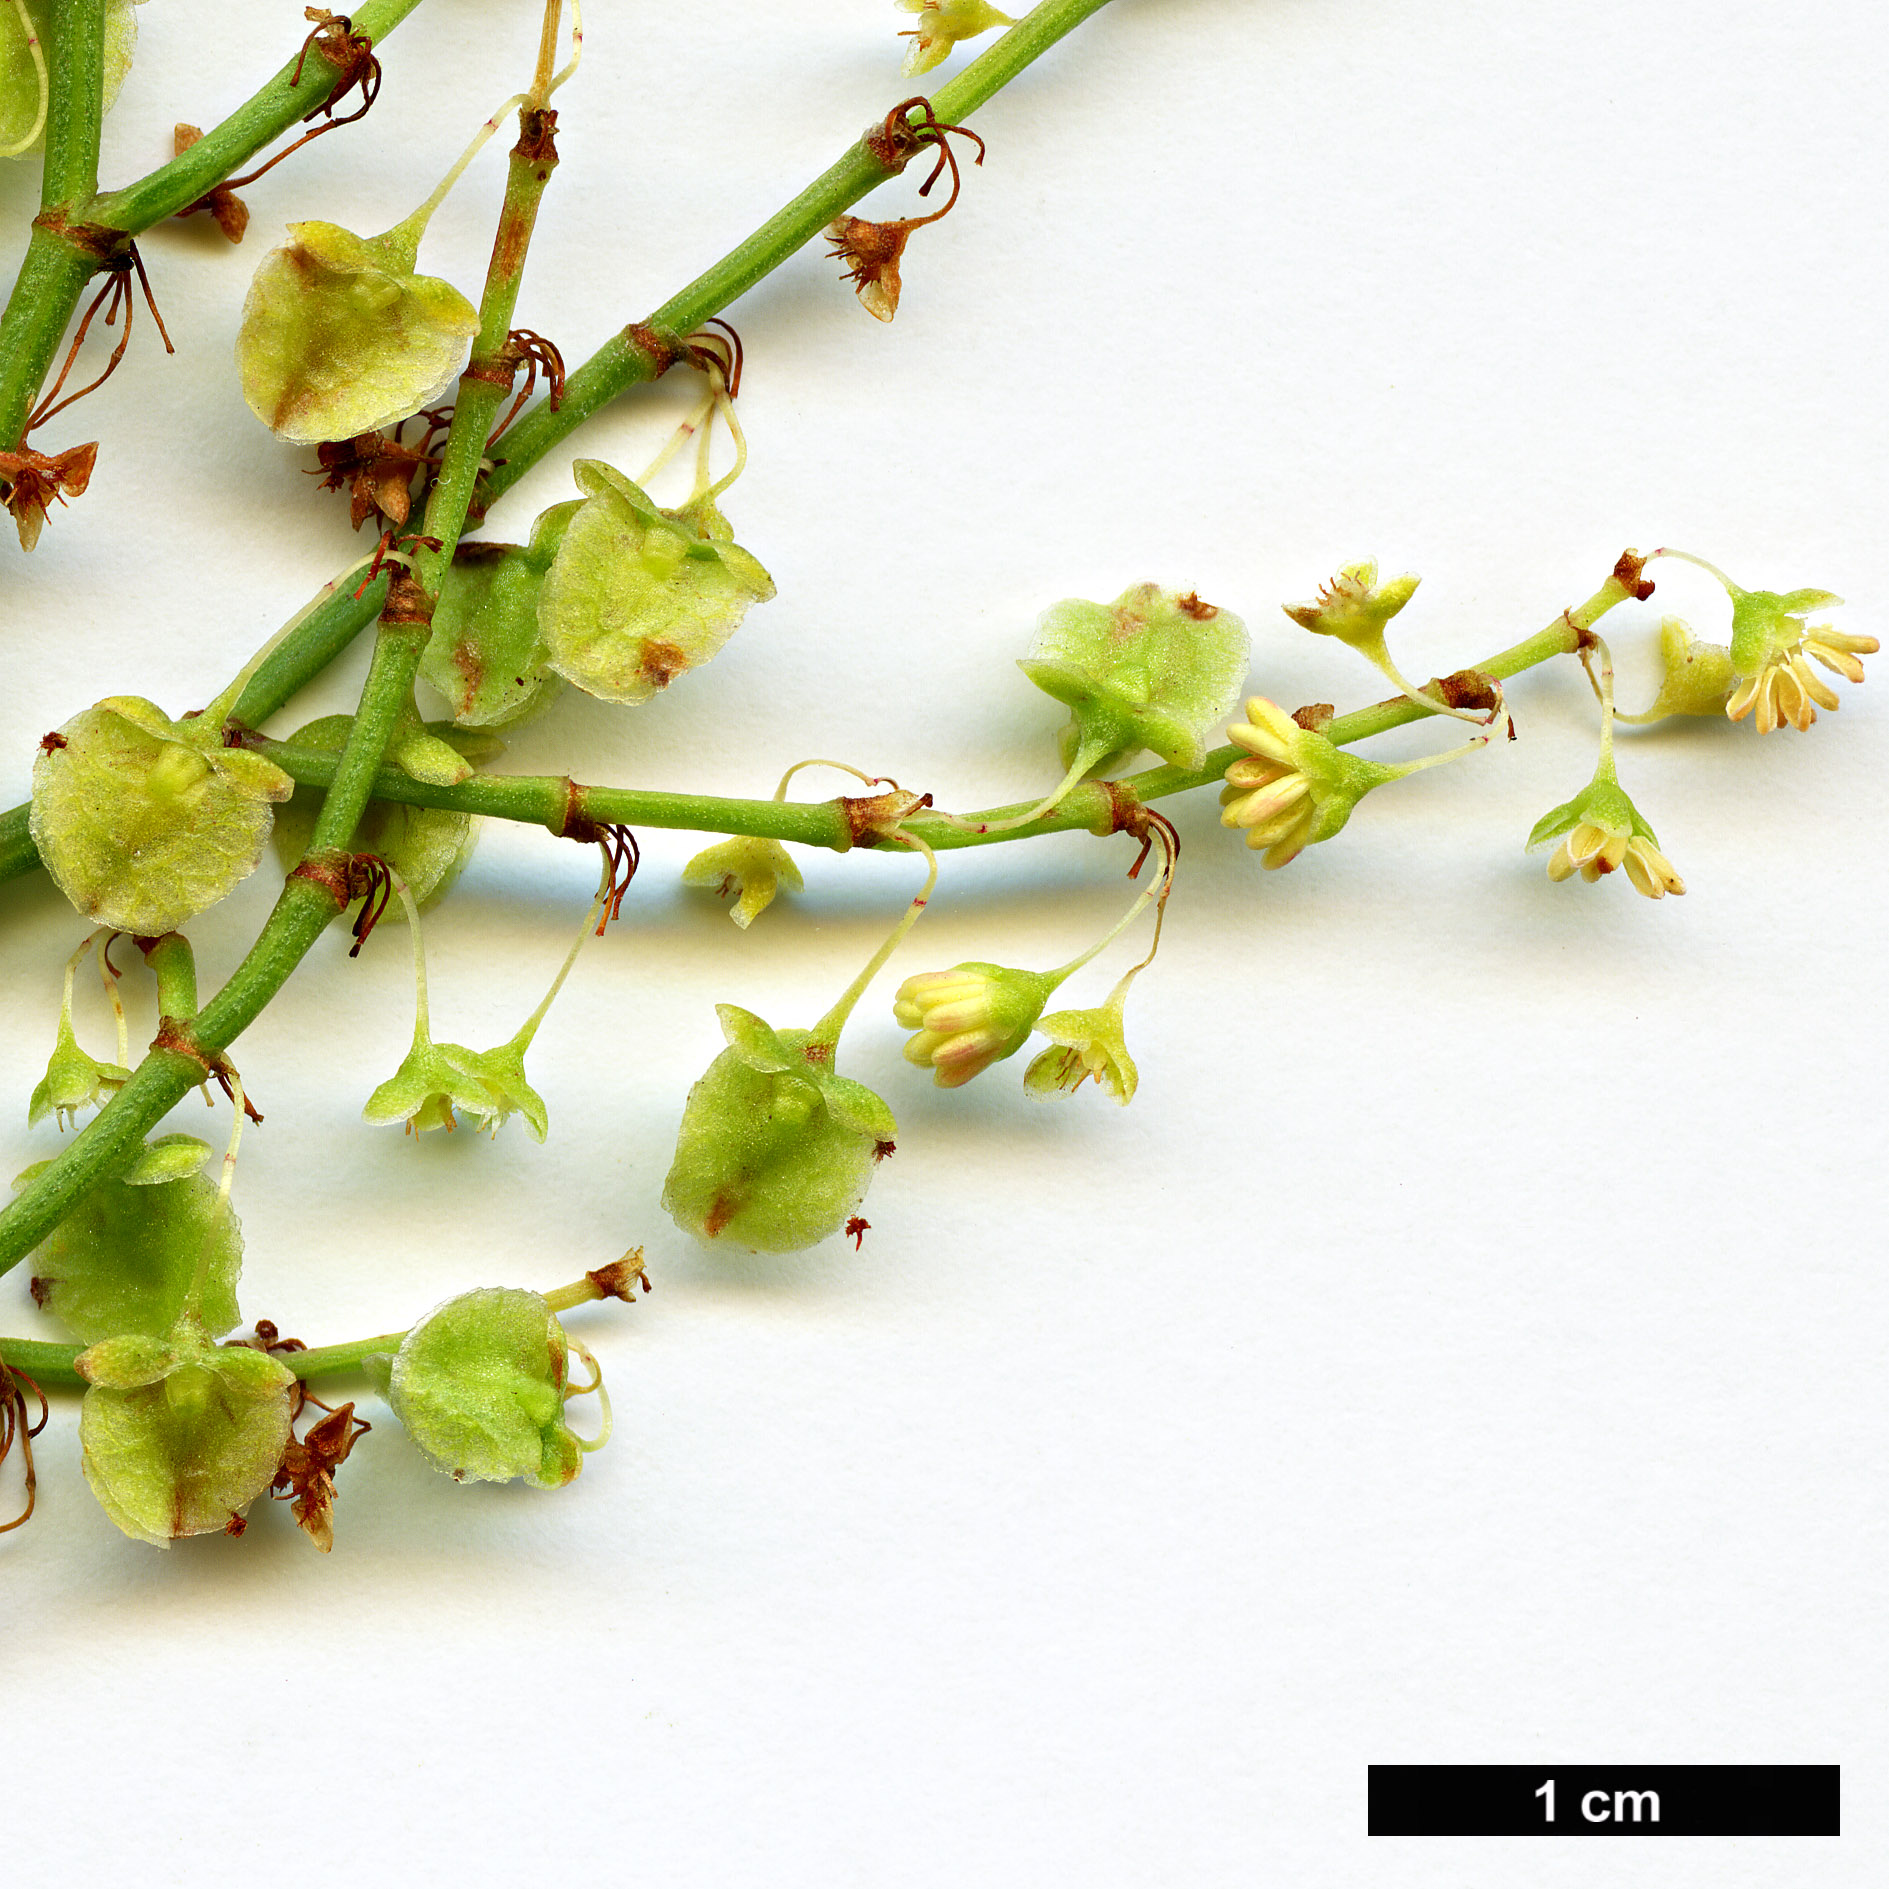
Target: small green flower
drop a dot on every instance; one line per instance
(775, 1150)
(1154, 669)
(73, 1080)
(637, 596)
(179, 1434)
(340, 336)
(941, 24)
(489, 1085)
(1601, 830)
(143, 821)
(438, 1078)
(1088, 1043)
(752, 870)
(969, 1017)
(1771, 639)
(481, 1384)
(1354, 607)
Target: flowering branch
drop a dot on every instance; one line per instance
(306, 904)
(554, 801)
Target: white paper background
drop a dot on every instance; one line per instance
(1467, 1348)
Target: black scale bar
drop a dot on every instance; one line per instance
(1605, 1800)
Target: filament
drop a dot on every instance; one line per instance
(587, 1444)
(1155, 893)
(109, 978)
(1086, 757)
(418, 221)
(38, 56)
(828, 1029)
(871, 780)
(529, 1028)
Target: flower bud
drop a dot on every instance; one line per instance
(123, 1259)
(142, 821)
(1293, 787)
(427, 846)
(969, 1017)
(180, 1435)
(775, 1151)
(339, 336)
(752, 870)
(480, 1384)
(941, 24)
(636, 596)
(1154, 669)
(486, 655)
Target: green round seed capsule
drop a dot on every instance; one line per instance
(480, 1385)
(339, 336)
(144, 822)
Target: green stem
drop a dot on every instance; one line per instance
(174, 966)
(49, 1363)
(46, 1362)
(307, 903)
(1604, 689)
(526, 1033)
(422, 1010)
(828, 1029)
(487, 379)
(404, 633)
(45, 293)
(624, 360)
(387, 691)
(1088, 755)
(223, 152)
(308, 649)
(75, 106)
(55, 271)
(1156, 888)
(551, 800)
(554, 800)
